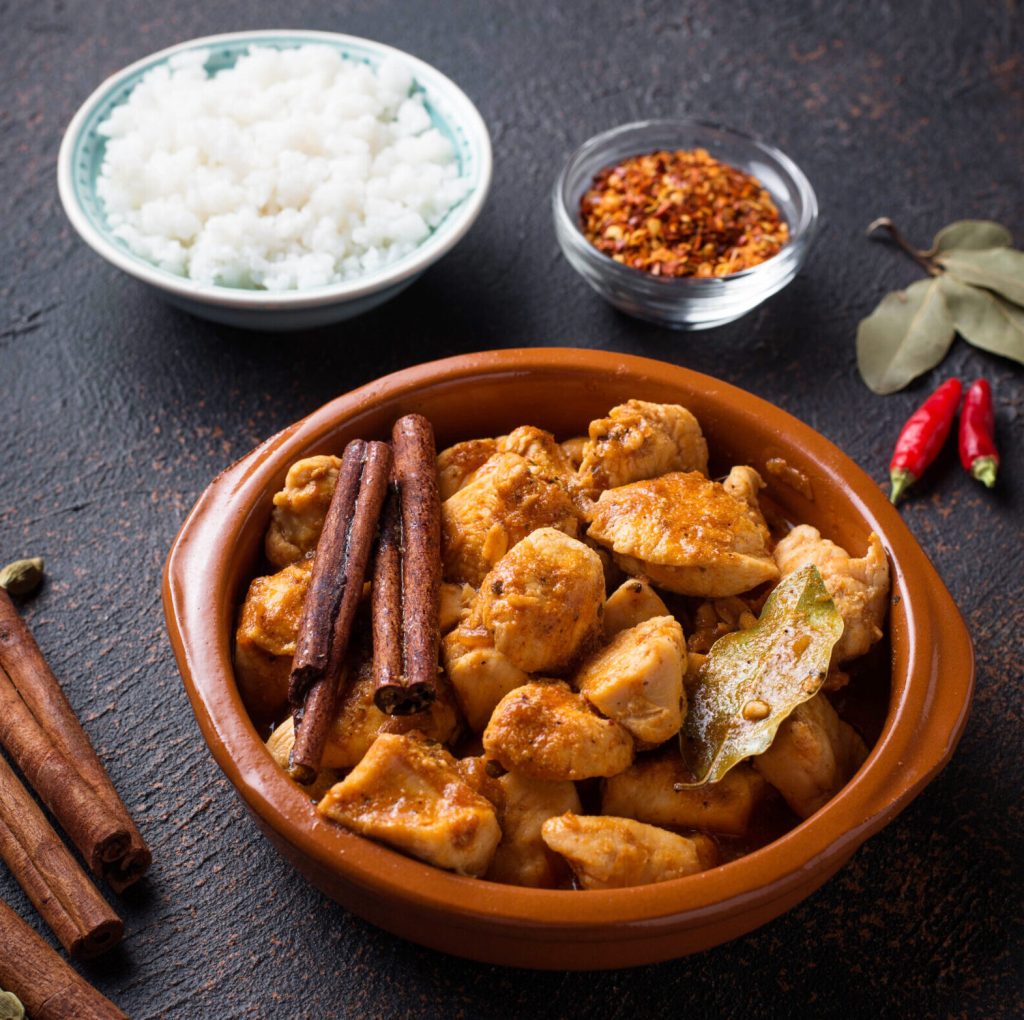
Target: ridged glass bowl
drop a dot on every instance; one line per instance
(685, 302)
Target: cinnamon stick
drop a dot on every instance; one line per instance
(413, 687)
(386, 603)
(52, 879)
(99, 834)
(47, 987)
(336, 585)
(23, 661)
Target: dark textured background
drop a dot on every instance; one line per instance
(115, 411)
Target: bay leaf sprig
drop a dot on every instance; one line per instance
(975, 287)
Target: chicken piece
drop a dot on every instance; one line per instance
(456, 464)
(574, 449)
(744, 483)
(546, 731)
(408, 793)
(633, 602)
(637, 680)
(542, 602)
(814, 754)
(480, 675)
(265, 639)
(685, 533)
(522, 858)
(280, 744)
(612, 853)
(859, 587)
(475, 772)
(358, 721)
(716, 618)
(640, 440)
(651, 791)
(542, 451)
(299, 509)
(456, 601)
(499, 507)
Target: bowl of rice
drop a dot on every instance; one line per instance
(275, 180)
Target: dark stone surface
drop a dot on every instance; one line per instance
(115, 411)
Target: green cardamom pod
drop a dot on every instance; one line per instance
(11, 1007)
(20, 578)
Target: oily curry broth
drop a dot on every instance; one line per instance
(863, 703)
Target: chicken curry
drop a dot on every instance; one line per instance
(591, 590)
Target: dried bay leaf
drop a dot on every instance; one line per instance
(985, 319)
(997, 269)
(752, 679)
(970, 235)
(907, 334)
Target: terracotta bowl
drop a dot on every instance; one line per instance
(218, 549)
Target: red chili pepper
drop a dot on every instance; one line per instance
(922, 437)
(978, 452)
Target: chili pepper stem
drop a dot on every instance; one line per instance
(901, 480)
(985, 470)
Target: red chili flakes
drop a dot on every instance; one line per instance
(681, 214)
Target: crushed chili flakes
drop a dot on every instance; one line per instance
(681, 214)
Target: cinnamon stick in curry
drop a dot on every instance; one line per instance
(386, 603)
(336, 585)
(409, 576)
(47, 987)
(99, 834)
(52, 879)
(25, 665)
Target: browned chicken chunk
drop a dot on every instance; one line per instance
(813, 756)
(408, 793)
(358, 722)
(685, 533)
(542, 451)
(612, 853)
(641, 440)
(526, 804)
(265, 639)
(545, 731)
(859, 587)
(574, 450)
(651, 791)
(637, 680)
(499, 507)
(633, 602)
(456, 601)
(456, 464)
(542, 602)
(480, 675)
(300, 508)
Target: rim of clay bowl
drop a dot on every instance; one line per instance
(932, 677)
(460, 115)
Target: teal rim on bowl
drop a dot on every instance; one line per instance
(451, 111)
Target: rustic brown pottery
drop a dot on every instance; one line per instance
(218, 550)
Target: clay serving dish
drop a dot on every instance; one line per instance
(218, 549)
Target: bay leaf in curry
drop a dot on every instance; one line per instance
(752, 679)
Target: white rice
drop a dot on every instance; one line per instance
(292, 169)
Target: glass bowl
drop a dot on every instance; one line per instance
(685, 302)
